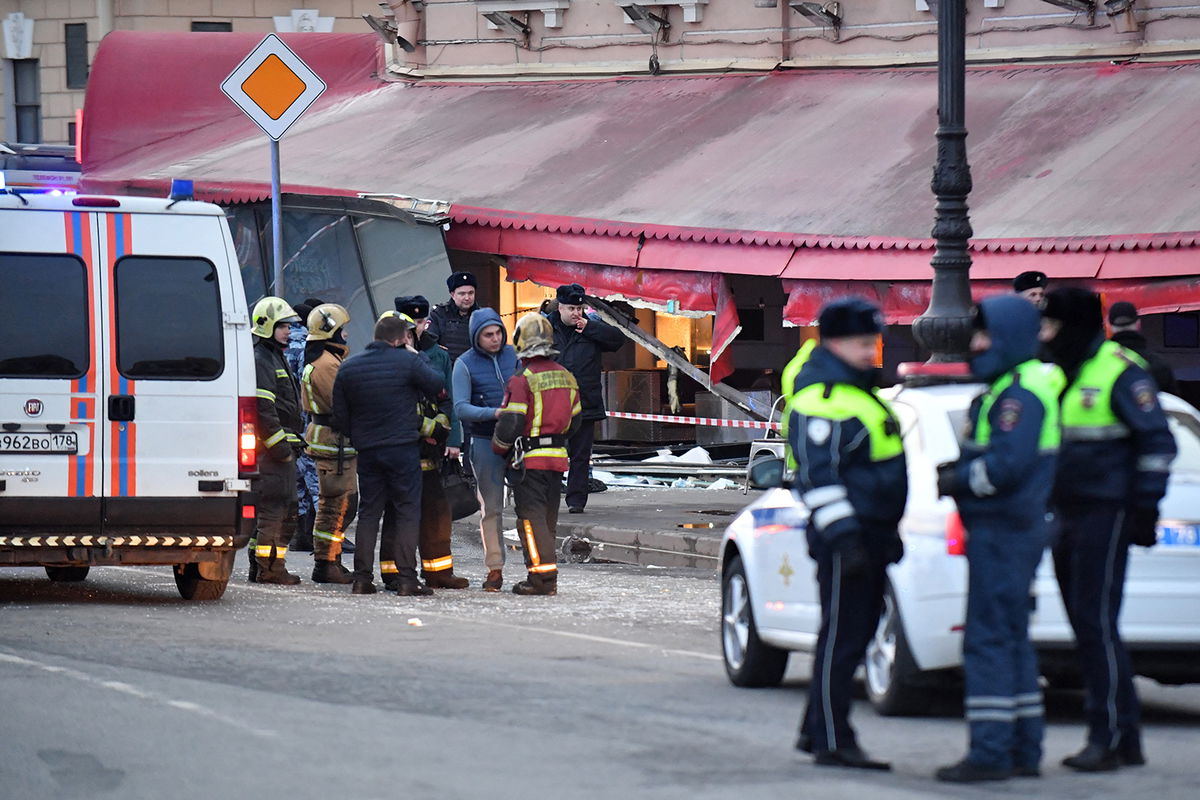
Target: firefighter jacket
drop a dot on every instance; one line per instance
(541, 409)
(316, 398)
(1010, 445)
(279, 423)
(845, 449)
(376, 393)
(440, 358)
(437, 412)
(580, 351)
(1117, 447)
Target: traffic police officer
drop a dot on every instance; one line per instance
(444, 438)
(541, 410)
(332, 455)
(279, 428)
(1112, 471)
(848, 461)
(1002, 483)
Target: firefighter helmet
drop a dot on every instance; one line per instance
(325, 321)
(534, 336)
(269, 312)
(405, 318)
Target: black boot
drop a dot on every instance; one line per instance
(1129, 751)
(1093, 758)
(412, 589)
(852, 757)
(277, 574)
(445, 579)
(252, 575)
(331, 572)
(363, 587)
(302, 541)
(967, 772)
(543, 587)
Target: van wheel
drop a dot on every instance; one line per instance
(891, 674)
(749, 661)
(193, 587)
(67, 574)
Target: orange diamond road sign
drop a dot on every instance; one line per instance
(273, 86)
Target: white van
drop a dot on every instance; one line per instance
(127, 406)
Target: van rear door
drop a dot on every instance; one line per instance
(171, 409)
(50, 373)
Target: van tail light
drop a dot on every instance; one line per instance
(247, 435)
(956, 535)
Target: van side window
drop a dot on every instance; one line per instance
(168, 319)
(45, 321)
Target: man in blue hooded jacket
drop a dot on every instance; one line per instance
(480, 376)
(1002, 483)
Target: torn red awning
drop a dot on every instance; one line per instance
(693, 291)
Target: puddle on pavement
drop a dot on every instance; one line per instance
(717, 512)
(696, 525)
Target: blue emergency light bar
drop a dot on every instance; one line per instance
(181, 190)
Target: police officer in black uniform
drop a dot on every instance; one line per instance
(848, 460)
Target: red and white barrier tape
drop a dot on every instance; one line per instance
(708, 421)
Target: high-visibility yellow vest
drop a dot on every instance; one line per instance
(1087, 413)
(842, 401)
(1045, 382)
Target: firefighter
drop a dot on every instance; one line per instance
(845, 449)
(1002, 483)
(332, 455)
(279, 441)
(541, 410)
(437, 562)
(1112, 471)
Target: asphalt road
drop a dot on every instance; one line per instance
(613, 689)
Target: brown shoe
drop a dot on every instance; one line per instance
(494, 580)
(445, 579)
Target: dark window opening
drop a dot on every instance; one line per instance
(168, 319)
(212, 27)
(1181, 330)
(45, 324)
(71, 133)
(754, 324)
(27, 100)
(75, 34)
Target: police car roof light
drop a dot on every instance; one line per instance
(181, 189)
(96, 202)
(917, 373)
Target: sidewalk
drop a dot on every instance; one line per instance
(633, 525)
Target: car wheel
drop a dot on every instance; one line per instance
(749, 661)
(194, 587)
(67, 574)
(889, 667)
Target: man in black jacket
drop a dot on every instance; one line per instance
(375, 400)
(580, 339)
(1127, 332)
(449, 321)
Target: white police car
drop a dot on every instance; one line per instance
(770, 604)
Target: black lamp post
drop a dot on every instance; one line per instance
(945, 327)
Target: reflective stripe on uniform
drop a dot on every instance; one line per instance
(547, 452)
(329, 537)
(330, 450)
(428, 464)
(834, 512)
(517, 408)
(542, 569)
(388, 567)
(979, 481)
(823, 496)
(438, 564)
(264, 394)
(530, 544)
(1043, 381)
(264, 551)
(1154, 463)
(280, 373)
(1096, 433)
(275, 438)
(428, 424)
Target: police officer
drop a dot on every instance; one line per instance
(541, 409)
(450, 321)
(1112, 471)
(375, 401)
(333, 457)
(1002, 483)
(279, 442)
(845, 450)
(1032, 286)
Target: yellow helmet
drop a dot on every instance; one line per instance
(269, 312)
(534, 336)
(326, 320)
(405, 318)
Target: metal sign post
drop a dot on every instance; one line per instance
(273, 86)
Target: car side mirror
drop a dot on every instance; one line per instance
(766, 473)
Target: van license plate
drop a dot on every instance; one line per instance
(64, 443)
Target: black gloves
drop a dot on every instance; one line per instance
(854, 558)
(1142, 524)
(894, 550)
(281, 451)
(948, 483)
